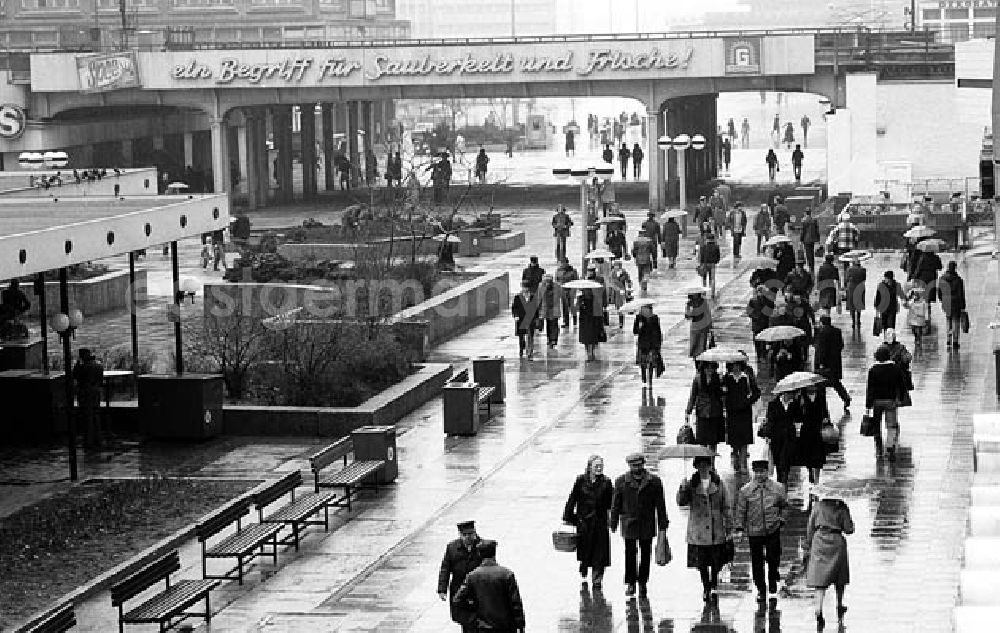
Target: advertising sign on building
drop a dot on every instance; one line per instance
(12, 121)
(743, 55)
(101, 73)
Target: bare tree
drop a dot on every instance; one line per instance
(232, 344)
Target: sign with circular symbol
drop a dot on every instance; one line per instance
(390, 454)
(12, 121)
(208, 418)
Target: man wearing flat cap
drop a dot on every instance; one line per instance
(760, 510)
(461, 556)
(491, 592)
(639, 504)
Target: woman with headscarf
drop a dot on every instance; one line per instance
(649, 338)
(887, 299)
(550, 307)
(587, 508)
(590, 309)
(854, 283)
(825, 547)
(741, 392)
(709, 523)
(779, 431)
(699, 312)
(705, 401)
(884, 390)
(812, 449)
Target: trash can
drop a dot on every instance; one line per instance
(185, 406)
(377, 442)
(461, 411)
(488, 372)
(470, 246)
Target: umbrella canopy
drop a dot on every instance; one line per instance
(780, 333)
(932, 245)
(611, 219)
(686, 451)
(857, 255)
(582, 284)
(919, 231)
(643, 238)
(674, 213)
(600, 253)
(797, 380)
(178, 185)
(634, 306)
(454, 239)
(761, 262)
(843, 489)
(693, 289)
(723, 355)
(777, 239)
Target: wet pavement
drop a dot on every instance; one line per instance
(377, 570)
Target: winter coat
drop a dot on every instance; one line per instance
(885, 382)
(648, 331)
(829, 343)
(827, 280)
(587, 508)
(826, 545)
(951, 287)
(887, 297)
(525, 312)
(779, 428)
(786, 260)
(710, 517)
(492, 590)
(855, 290)
(812, 450)
(639, 505)
(705, 399)
(671, 238)
(591, 318)
(740, 396)
(458, 561)
(760, 508)
(550, 300)
(810, 231)
(652, 230)
(758, 310)
(762, 222)
(642, 253)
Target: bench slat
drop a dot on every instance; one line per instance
(144, 578)
(58, 622)
(338, 450)
(244, 541)
(170, 602)
(353, 474)
(301, 509)
(223, 519)
(278, 489)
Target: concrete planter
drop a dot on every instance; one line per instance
(502, 243)
(467, 305)
(351, 251)
(93, 296)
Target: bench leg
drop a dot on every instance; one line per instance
(295, 535)
(326, 518)
(239, 568)
(121, 624)
(347, 490)
(208, 607)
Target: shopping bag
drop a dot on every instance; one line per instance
(868, 425)
(663, 554)
(965, 322)
(831, 436)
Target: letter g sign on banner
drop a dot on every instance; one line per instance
(12, 121)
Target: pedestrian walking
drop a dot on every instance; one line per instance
(812, 449)
(566, 273)
(843, 237)
(828, 284)
(799, 282)
(588, 508)
(772, 165)
(809, 236)
(776, 131)
(643, 251)
(827, 362)
(854, 293)
(637, 156)
(731, 127)
(951, 287)
(737, 223)
(561, 222)
(592, 227)
(719, 213)
(524, 308)
(533, 273)
(88, 373)
(608, 155)
(745, 134)
(740, 392)
(206, 255)
(759, 309)
(780, 216)
(570, 143)
(789, 135)
(708, 256)
(827, 562)
(727, 152)
(639, 506)
(785, 254)
(651, 229)
(491, 592)
(797, 158)
(620, 289)
(550, 307)
(762, 226)
(885, 387)
(706, 402)
(608, 197)
(760, 511)
(671, 241)
(589, 308)
(615, 242)
(916, 313)
(805, 123)
(623, 157)
(709, 531)
(482, 165)
(702, 212)
(779, 431)
(649, 338)
(887, 299)
(461, 556)
(902, 358)
(218, 256)
(698, 311)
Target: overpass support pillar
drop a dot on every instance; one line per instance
(281, 121)
(353, 116)
(368, 124)
(655, 161)
(127, 156)
(248, 156)
(220, 155)
(260, 154)
(189, 149)
(308, 137)
(329, 177)
(851, 158)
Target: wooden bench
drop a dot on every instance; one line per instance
(244, 545)
(297, 513)
(167, 605)
(483, 394)
(62, 619)
(351, 478)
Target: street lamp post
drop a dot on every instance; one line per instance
(583, 175)
(680, 144)
(66, 324)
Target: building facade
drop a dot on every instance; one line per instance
(959, 20)
(478, 18)
(152, 24)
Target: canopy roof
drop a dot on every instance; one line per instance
(40, 234)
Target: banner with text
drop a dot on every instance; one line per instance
(101, 73)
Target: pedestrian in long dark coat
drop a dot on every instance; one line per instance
(828, 283)
(925, 270)
(671, 241)
(952, 291)
(591, 316)
(779, 430)
(785, 254)
(461, 556)
(854, 291)
(587, 508)
(827, 362)
(639, 505)
(887, 297)
(812, 450)
(741, 392)
(649, 338)
(705, 401)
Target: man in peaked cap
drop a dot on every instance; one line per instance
(461, 556)
(639, 502)
(760, 512)
(491, 590)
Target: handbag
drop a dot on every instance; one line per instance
(602, 336)
(663, 554)
(868, 425)
(877, 325)
(702, 270)
(831, 436)
(685, 435)
(965, 322)
(564, 539)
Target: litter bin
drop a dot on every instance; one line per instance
(470, 246)
(377, 442)
(488, 372)
(461, 411)
(185, 406)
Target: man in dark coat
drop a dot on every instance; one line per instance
(828, 283)
(491, 591)
(799, 281)
(89, 376)
(951, 288)
(461, 556)
(829, 343)
(639, 503)
(809, 236)
(533, 274)
(651, 229)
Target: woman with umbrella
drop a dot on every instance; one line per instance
(705, 401)
(587, 508)
(759, 309)
(620, 287)
(826, 559)
(649, 338)
(779, 431)
(741, 392)
(699, 312)
(590, 309)
(812, 449)
(854, 284)
(925, 269)
(710, 523)
(671, 241)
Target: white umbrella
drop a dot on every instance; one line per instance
(177, 185)
(777, 239)
(779, 333)
(797, 380)
(932, 245)
(582, 284)
(919, 231)
(674, 213)
(694, 289)
(611, 219)
(636, 305)
(601, 253)
(453, 239)
(857, 255)
(722, 355)
(642, 238)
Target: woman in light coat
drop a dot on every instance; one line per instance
(709, 523)
(826, 551)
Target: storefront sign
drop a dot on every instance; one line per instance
(101, 73)
(962, 4)
(12, 121)
(743, 56)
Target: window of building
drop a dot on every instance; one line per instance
(276, 3)
(270, 34)
(932, 14)
(187, 4)
(331, 5)
(956, 14)
(985, 12)
(363, 8)
(227, 35)
(250, 35)
(383, 5)
(984, 30)
(105, 5)
(42, 5)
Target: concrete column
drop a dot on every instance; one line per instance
(308, 137)
(281, 120)
(158, 141)
(248, 160)
(242, 161)
(127, 156)
(220, 155)
(653, 161)
(260, 157)
(862, 96)
(188, 148)
(329, 176)
(368, 125)
(353, 114)
(672, 127)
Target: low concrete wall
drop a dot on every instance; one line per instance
(462, 307)
(502, 243)
(92, 296)
(352, 252)
(131, 182)
(386, 408)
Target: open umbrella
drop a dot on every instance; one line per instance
(722, 355)
(761, 262)
(777, 239)
(797, 380)
(600, 253)
(843, 489)
(642, 238)
(178, 185)
(611, 219)
(582, 284)
(454, 239)
(674, 213)
(693, 289)
(856, 255)
(634, 306)
(686, 451)
(919, 231)
(932, 245)
(779, 333)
